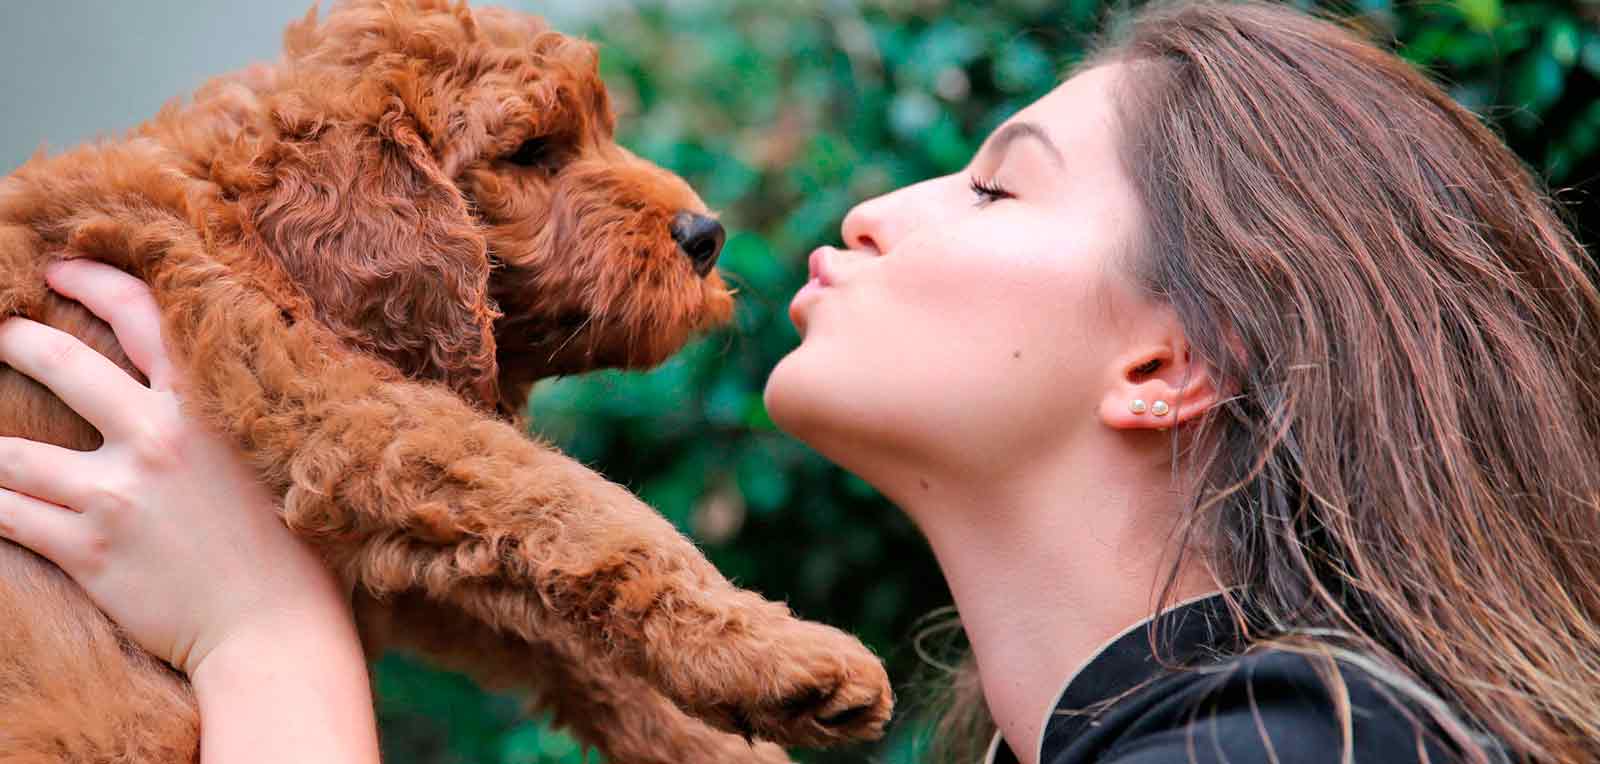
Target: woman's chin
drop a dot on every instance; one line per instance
(806, 396)
(791, 393)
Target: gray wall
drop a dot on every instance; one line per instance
(74, 69)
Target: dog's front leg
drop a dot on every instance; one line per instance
(412, 490)
(407, 488)
(618, 714)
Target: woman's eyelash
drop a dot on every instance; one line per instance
(989, 191)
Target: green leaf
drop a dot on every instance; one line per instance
(522, 746)
(1483, 15)
(1022, 67)
(946, 146)
(1591, 53)
(762, 481)
(1563, 40)
(861, 489)
(1428, 46)
(675, 493)
(913, 112)
(1539, 81)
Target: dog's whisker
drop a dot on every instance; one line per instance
(739, 285)
(570, 338)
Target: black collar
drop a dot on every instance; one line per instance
(1196, 633)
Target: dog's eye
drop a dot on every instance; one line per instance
(534, 152)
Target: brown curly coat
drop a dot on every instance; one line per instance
(365, 255)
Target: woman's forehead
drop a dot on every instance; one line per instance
(1079, 114)
(1077, 146)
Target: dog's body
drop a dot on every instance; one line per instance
(362, 254)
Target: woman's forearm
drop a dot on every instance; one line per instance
(287, 694)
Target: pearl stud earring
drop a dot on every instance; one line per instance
(1137, 406)
(1160, 408)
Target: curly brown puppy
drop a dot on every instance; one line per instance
(365, 255)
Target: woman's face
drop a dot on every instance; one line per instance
(973, 319)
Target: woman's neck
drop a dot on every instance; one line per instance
(1046, 566)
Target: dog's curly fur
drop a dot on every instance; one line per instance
(365, 255)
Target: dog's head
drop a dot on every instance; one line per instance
(446, 186)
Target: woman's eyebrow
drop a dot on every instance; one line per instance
(1011, 133)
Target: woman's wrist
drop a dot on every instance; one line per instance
(279, 638)
(290, 688)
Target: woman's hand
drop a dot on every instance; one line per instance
(173, 537)
(164, 525)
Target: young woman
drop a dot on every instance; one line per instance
(1244, 386)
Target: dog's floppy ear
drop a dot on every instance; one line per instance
(363, 219)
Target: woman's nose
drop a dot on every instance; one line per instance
(864, 227)
(877, 226)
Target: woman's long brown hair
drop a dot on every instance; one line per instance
(1408, 463)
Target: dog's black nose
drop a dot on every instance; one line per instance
(700, 238)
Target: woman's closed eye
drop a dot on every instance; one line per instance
(989, 191)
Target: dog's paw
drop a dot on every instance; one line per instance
(813, 686)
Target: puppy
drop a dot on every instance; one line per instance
(365, 256)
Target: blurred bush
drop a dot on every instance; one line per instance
(783, 115)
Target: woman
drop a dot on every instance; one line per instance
(1244, 387)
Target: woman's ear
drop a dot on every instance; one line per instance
(1158, 386)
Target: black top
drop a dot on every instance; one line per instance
(1227, 705)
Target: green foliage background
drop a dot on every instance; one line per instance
(783, 115)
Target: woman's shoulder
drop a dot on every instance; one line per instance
(1267, 705)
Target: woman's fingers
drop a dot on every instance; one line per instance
(46, 472)
(83, 379)
(126, 304)
(56, 533)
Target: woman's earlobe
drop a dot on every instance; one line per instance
(1145, 411)
(1158, 389)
